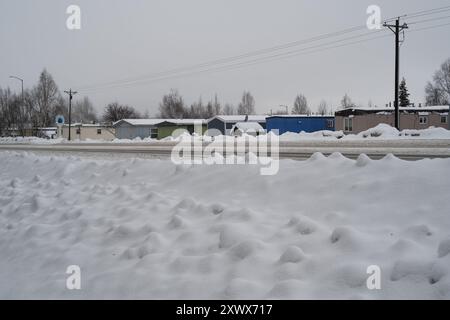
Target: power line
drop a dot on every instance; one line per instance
(430, 27)
(238, 57)
(251, 63)
(429, 20)
(242, 63)
(319, 48)
(223, 64)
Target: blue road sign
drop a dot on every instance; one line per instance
(59, 120)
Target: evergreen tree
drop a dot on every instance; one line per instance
(404, 94)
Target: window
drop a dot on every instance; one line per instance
(99, 131)
(330, 124)
(444, 119)
(423, 120)
(348, 124)
(153, 133)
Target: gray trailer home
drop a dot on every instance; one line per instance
(134, 128)
(224, 124)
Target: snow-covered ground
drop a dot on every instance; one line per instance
(380, 132)
(141, 228)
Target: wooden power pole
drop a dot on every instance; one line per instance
(70, 93)
(397, 28)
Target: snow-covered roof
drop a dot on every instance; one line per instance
(186, 121)
(80, 124)
(425, 108)
(240, 118)
(301, 116)
(247, 126)
(386, 110)
(140, 122)
(153, 122)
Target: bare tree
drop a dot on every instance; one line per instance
(247, 104)
(228, 109)
(346, 102)
(197, 110)
(323, 108)
(438, 92)
(434, 96)
(12, 112)
(217, 106)
(301, 105)
(115, 112)
(83, 111)
(172, 106)
(46, 96)
(209, 112)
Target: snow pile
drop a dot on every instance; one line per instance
(430, 133)
(149, 229)
(32, 140)
(385, 131)
(318, 135)
(380, 132)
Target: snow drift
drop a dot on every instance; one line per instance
(148, 229)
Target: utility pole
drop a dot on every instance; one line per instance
(396, 29)
(70, 93)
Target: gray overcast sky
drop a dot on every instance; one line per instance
(122, 39)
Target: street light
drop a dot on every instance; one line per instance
(23, 102)
(21, 80)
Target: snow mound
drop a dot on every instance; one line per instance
(162, 231)
(380, 131)
(292, 254)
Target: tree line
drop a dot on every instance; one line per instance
(40, 104)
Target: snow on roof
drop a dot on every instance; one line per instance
(80, 124)
(301, 116)
(186, 121)
(246, 126)
(425, 108)
(153, 122)
(140, 122)
(240, 118)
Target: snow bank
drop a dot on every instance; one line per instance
(148, 229)
(381, 132)
(384, 131)
(33, 140)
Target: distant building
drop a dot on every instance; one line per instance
(250, 128)
(156, 128)
(299, 123)
(224, 124)
(356, 120)
(84, 131)
(49, 132)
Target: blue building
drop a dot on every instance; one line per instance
(299, 123)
